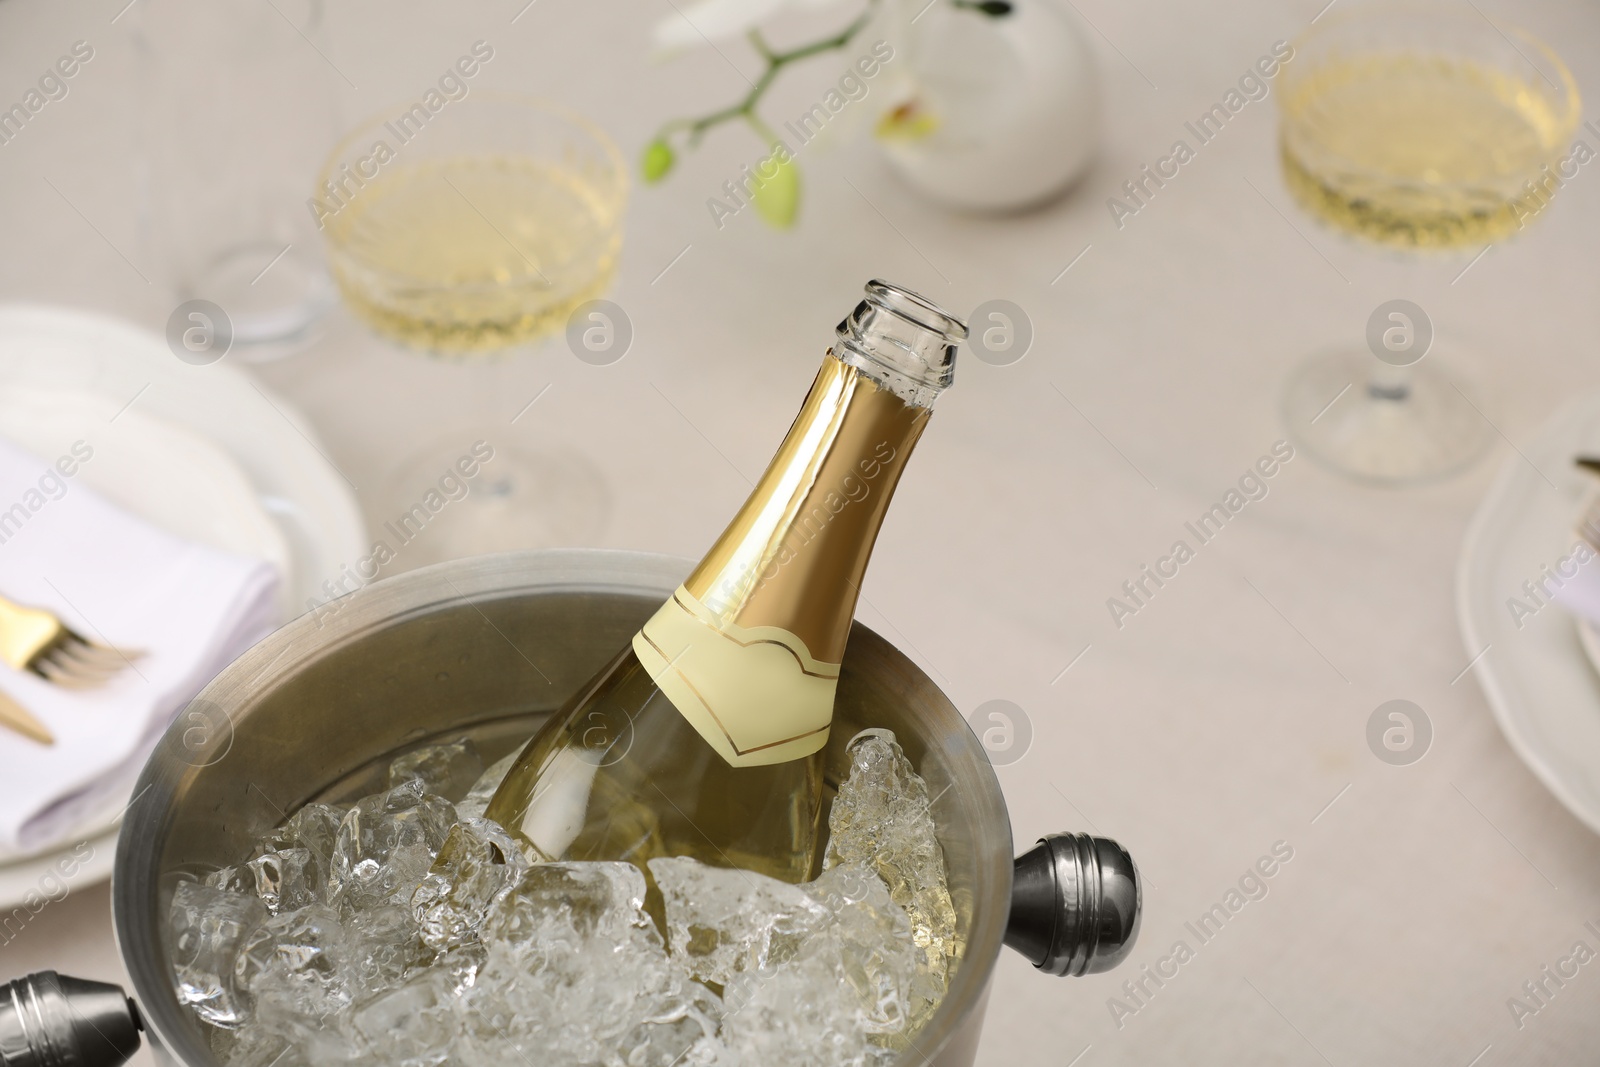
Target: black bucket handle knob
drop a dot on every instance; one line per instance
(1075, 903)
(47, 1020)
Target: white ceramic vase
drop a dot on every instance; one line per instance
(999, 112)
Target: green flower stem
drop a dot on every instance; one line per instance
(762, 129)
(775, 61)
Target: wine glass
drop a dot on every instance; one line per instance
(464, 229)
(225, 213)
(1418, 128)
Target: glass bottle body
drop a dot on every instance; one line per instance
(620, 774)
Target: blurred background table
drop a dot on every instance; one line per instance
(1226, 716)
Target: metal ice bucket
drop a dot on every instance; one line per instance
(486, 647)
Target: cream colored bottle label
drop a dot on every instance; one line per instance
(754, 693)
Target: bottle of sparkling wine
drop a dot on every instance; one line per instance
(704, 736)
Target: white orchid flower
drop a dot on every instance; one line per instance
(703, 21)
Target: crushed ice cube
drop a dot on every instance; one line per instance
(294, 968)
(677, 1029)
(314, 828)
(448, 771)
(208, 926)
(232, 880)
(283, 881)
(581, 990)
(415, 1024)
(882, 819)
(561, 901)
(461, 965)
(294, 958)
(286, 880)
(385, 846)
(840, 986)
(253, 1046)
(476, 862)
(721, 921)
(574, 969)
(869, 946)
(799, 1014)
(381, 946)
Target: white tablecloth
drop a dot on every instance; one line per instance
(1229, 714)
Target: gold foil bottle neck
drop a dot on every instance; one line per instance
(795, 554)
(779, 587)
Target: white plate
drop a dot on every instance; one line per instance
(1539, 682)
(40, 875)
(250, 444)
(1588, 632)
(313, 506)
(150, 468)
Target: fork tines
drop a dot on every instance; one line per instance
(75, 663)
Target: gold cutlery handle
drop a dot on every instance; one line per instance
(20, 719)
(24, 633)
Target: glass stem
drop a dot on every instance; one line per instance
(1390, 383)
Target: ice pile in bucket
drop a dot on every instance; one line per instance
(408, 930)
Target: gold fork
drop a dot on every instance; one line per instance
(32, 639)
(14, 716)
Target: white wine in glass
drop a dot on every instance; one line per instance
(466, 233)
(1419, 128)
(482, 231)
(474, 253)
